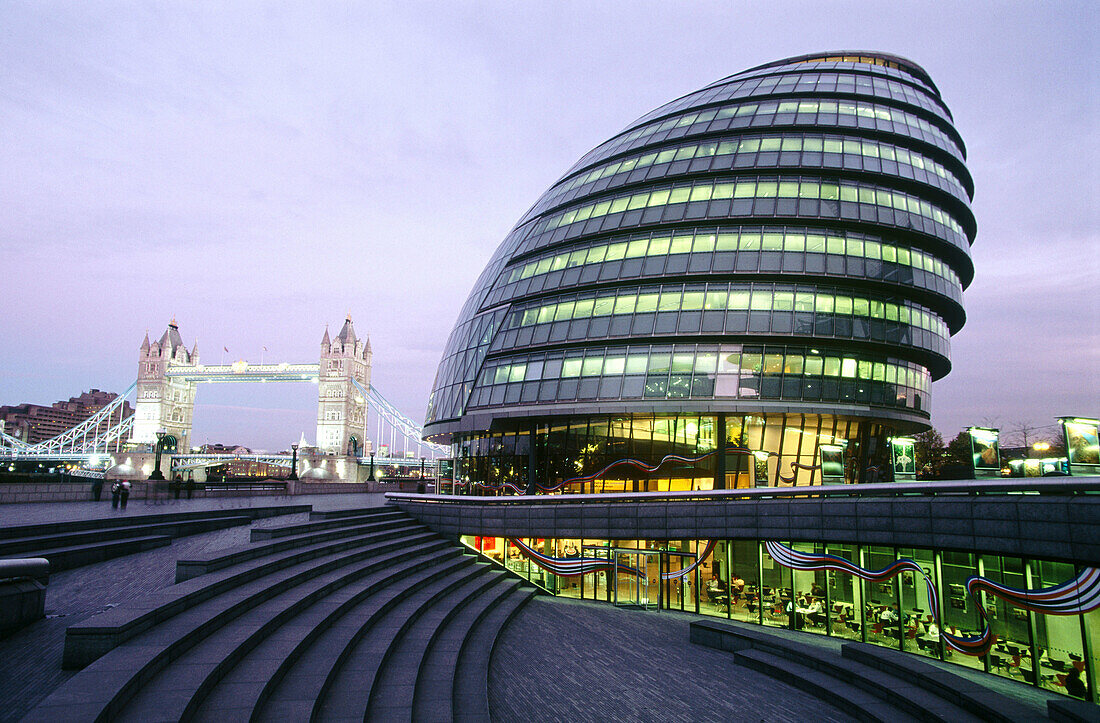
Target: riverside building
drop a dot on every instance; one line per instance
(748, 289)
(752, 285)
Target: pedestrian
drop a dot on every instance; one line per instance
(97, 488)
(116, 493)
(124, 492)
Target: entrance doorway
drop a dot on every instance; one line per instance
(680, 590)
(632, 571)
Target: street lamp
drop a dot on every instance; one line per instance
(370, 476)
(157, 475)
(293, 461)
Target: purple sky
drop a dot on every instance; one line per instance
(260, 169)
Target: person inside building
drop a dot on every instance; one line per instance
(1074, 685)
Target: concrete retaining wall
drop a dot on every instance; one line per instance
(1055, 527)
(81, 491)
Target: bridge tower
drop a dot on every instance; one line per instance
(163, 402)
(341, 408)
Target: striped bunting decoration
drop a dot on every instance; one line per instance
(699, 560)
(1079, 595)
(640, 465)
(572, 566)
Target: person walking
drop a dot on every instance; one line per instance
(97, 488)
(116, 493)
(124, 492)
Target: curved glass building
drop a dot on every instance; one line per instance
(754, 284)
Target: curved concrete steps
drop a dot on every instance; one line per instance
(470, 693)
(870, 682)
(76, 543)
(369, 619)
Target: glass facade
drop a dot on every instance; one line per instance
(612, 453)
(740, 580)
(782, 252)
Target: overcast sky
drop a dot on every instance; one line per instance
(259, 170)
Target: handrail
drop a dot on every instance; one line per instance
(1063, 485)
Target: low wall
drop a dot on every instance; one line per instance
(1059, 526)
(80, 490)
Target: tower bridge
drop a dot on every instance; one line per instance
(349, 407)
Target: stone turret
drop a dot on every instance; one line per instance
(164, 402)
(341, 404)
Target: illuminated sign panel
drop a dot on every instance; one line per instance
(832, 463)
(985, 451)
(903, 456)
(1082, 444)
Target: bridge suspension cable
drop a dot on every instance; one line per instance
(399, 426)
(94, 434)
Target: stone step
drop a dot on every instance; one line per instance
(218, 559)
(347, 688)
(171, 696)
(900, 692)
(92, 638)
(299, 528)
(351, 512)
(118, 520)
(433, 698)
(470, 694)
(101, 690)
(855, 701)
(245, 689)
(394, 687)
(975, 698)
(18, 547)
(66, 558)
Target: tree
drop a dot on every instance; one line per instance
(957, 460)
(929, 450)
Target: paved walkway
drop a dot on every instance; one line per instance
(561, 659)
(34, 512)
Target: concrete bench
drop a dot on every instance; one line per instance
(22, 592)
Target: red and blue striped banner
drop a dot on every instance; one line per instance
(573, 566)
(1079, 595)
(699, 560)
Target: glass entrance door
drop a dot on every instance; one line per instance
(631, 575)
(680, 582)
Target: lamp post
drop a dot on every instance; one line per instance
(157, 475)
(370, 477)
(293, 461)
